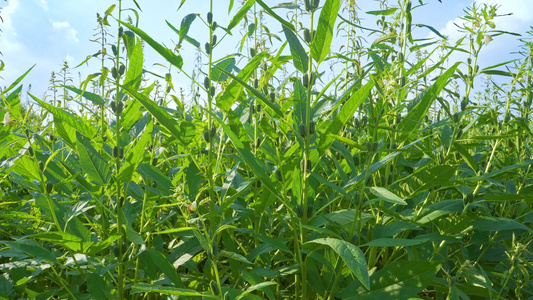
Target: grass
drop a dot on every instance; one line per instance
(390, 180)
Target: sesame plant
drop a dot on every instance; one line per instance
(322, 159)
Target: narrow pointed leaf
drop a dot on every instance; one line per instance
(299, 56)
(240, 14)
(352, 256)
(324, 32)
(172, 58)
(92, 163)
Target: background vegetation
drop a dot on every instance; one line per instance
(294, 173)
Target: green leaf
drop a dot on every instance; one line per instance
(167, 290)
(172, 58)
(425, 179)
(352, 256)
(446, 136)
(499, 171)
(240, 14)
(150, 172)
(356, 98)
(398, 280)
(68, 118)
(234, 90)
(386, 195)
(32, 248)
(227, 65)
(92, 163)
(98, 287)
(245, 154)
(164, 265)
(16, 82)
(321, 45)
(184, 26)
(411, 121)
(135, 67)
(396, 242)
(299, 56)
(258, 94)
(94, 98)
(275, 16)
(384, 12)
(497, 224)
(159, 113)
(235, 256)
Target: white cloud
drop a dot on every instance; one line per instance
(7, 13)
(44, 5)
(65, 26)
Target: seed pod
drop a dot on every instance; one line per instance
(375, 147)
(356, 161)
(121, 69)
(391, 179)
(302, 129)
(309, 210)
(121, 152)
(400, 57)
(303, 164)
(468, 61)
(256, 83)
(154, 161)
(210, 18)
(305, 80)
(476, 69)
(41, 166)
(169, 88)
(214, 40)
(299, 211)
(214, 26)
(507, 118)
(459, 132)
(258, 108)
(463, 104)
(120, 107)
(272, 96)
(279, 176)
(214, 248)
(227, 296)
(212, 91)
(312, 126)
(364, 121)
(114, 72)
(206, 136)
(51, 137)
(49, 187)
(207, 83)
(368, 146)
(208, 48)
(314, 4)
(456, 117)
(120, 31)
(115, 151)
(344, 235)
(307, 35)
(30, 151)
(312, 79)
(308, 5)
(27, 132)
(213, 131)
(114, 48)
(113, 107)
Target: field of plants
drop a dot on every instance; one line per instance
(292, 169)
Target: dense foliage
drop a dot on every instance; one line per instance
(295, 171)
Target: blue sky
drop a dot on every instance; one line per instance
(49, 32)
